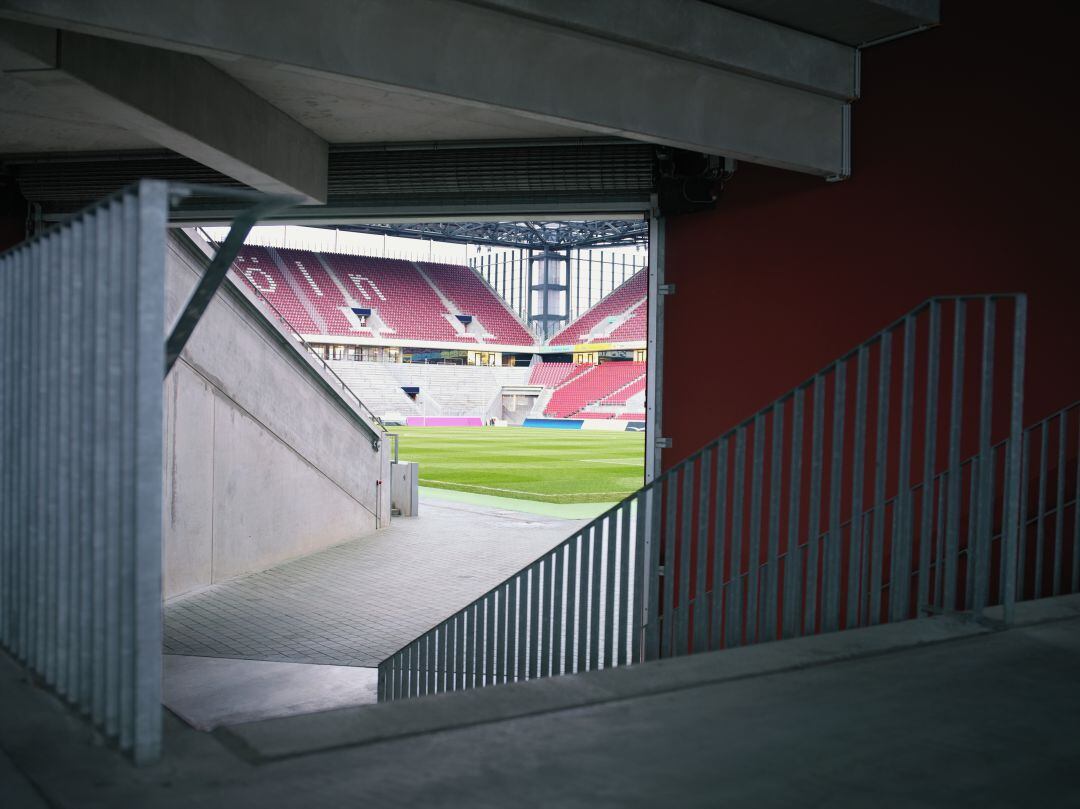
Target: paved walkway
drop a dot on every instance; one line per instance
(207, 692)
(983, 720)
(357, 603)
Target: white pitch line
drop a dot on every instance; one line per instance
(532, 495)
(490, 488)
(619, 461)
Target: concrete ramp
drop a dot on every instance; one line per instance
(937, 712)
(266, 458)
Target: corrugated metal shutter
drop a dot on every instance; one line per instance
(393, 179)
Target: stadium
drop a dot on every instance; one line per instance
(430, 345)
(497, 402)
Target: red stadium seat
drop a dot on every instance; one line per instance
(472, 296)
(258, 269)
(404, 300)
(593, 386)
(624, 299)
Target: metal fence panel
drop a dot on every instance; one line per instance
(81, 365)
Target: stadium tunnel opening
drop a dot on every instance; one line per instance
(507, 363)
(262, 472)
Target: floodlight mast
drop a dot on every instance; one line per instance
(549, 291)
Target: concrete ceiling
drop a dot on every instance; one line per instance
(342, 111)
(259, 90)
(33, 122)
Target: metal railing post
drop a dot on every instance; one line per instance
(1015, 483)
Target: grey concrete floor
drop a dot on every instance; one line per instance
(357, 603)
(967, 717)
(207, 692)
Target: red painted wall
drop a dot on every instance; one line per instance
(966, 180)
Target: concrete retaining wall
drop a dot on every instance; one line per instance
(263, 460)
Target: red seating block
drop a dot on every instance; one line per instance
(258, 269)
(595, 384)
(472, 296)
(404, 300)
(551, 374)
(323, 294)
(625, 297)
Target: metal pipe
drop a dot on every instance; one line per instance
(881, 460)
(933, 349)
(1013, 481)
(772, 560)
(753, 559)
(793, 572)
(817, 448)
(956, 415)
(856, 549)
(831, 573)
(985, 491)
(719, 545)
(700, 603)
(899, 578)
(734, 633)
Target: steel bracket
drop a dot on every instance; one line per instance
(261, 205)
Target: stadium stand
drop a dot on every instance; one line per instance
(259, 270)
(622, 395)
(408, 305)
(323, 294)
(551, 374)
(611, 315)
(402, 298)
(463, 390)
(419, 303)
(473, 297)
(444, 390)
(635, 327)
(377, 386)
(591, 386)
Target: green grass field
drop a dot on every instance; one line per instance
(551, 466)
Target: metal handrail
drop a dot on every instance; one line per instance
(1032, 553)
(673, 523)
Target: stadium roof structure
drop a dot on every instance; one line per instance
(554, 235)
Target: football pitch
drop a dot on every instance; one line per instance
(550, 466)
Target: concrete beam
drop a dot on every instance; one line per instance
(176, 99)
(485, 57)
(858, 23)
(711, 35)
